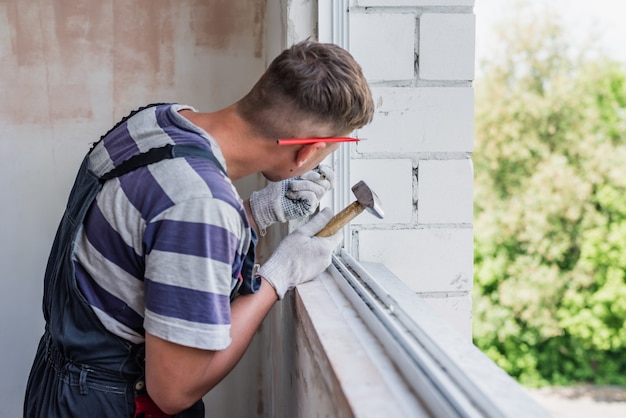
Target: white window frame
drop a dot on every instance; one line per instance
(333, 28)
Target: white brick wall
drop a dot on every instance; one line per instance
(418, 56)
(445, 192)
(370, 38)
(428, 260)
(421, 119)
(446, 46)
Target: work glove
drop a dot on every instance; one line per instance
(301, 256)
(292, 198)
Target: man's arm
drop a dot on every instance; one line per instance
(177, 376)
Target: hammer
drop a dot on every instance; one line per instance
(365, 199)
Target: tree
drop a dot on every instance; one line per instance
(550, 208)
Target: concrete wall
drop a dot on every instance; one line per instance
(419, 58)
(68, 71)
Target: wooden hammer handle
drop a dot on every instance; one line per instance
(339, 220)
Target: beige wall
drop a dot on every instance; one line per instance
(70, 69)
(66, 61)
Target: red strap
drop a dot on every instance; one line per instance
(146, 408)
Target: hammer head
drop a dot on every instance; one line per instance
(368, 199)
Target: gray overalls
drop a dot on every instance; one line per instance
(80, 368)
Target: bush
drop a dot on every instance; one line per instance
(550, 209)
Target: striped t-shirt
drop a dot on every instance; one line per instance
(161, 246)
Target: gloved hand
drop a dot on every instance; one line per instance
(292, 198)
(301, 256)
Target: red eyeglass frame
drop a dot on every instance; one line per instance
(305, 141)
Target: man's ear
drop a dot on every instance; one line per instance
(306, 151)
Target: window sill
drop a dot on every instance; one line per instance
(342, 355)
(354, 365)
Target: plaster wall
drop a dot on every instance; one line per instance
(68, 71)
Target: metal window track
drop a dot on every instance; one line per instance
(438, 382)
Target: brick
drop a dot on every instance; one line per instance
(384, 45)
(423, 119)
(446, 46)
(409, 3)
(456, 310)
(445, 191)
(426, 260)
(392, 180)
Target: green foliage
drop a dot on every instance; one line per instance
(550, 209)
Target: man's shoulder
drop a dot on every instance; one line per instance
(140, 131)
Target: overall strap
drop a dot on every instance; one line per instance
(124, 119)
(154, 155)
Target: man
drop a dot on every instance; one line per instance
(151, 293)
